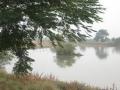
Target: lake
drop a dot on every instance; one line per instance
(99, 66)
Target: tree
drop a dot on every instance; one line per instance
(22, 20)
(116, 41)
(101, 35)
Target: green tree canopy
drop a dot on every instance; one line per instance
(101, 35)
(22, 20)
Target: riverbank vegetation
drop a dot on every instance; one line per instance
(38, 82)
(67, 49)
(109, 42)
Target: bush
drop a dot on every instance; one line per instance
(67, 49)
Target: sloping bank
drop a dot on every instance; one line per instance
(38, 82)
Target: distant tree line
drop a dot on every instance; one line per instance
(102, 36)
(116, 41)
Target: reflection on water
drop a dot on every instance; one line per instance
(65, 61)
(65, 56)
(89, 68)
(117, 49)
(101, 52)
(82, 48)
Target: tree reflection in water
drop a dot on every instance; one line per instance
(65, 61)
(101, 52)
(82, 48)
(65, 57)
(117, 49)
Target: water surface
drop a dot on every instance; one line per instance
(98, 66)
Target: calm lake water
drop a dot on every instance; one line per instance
(98, 66)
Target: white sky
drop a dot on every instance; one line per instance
(111, 18)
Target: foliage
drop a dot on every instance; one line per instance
(67, 49)
(22, 20)
(101, 35)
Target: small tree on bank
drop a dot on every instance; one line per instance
(101, 35)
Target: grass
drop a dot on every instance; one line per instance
(38, 82)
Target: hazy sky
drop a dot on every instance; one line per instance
(111, 17)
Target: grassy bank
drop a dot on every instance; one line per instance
(38, 82)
